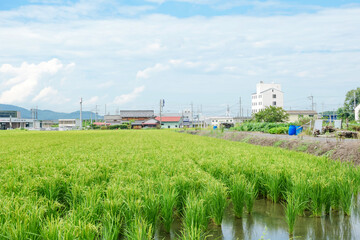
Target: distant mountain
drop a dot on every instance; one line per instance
(48, 114)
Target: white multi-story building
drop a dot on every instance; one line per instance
(267, 94)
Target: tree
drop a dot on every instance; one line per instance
(271, 114)
(347, 111)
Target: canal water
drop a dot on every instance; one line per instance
(268, 222)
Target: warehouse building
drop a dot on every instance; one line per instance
(13, 120)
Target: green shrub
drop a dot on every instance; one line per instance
(279, 130)
(120, 126)
(260, 127)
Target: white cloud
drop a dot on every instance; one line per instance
(26, 80)
(147, 72)
(156, 1)
(125, 98)
(45, 94)
(106, 84)
(91, 101)
(200, 52)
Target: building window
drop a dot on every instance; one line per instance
(176, 126)
(274, 103)
(311, 116)
(274, 95)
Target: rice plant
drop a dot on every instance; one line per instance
(292, 210)
(300, 191)
(346, 196)
(238, 194)
(193, 233)
(316, 203)
(195, 213)
(65, 185)
(250, 196)
(139, 229)
(168, 203)
(216, 196)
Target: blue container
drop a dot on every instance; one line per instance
(215, 127)
(298, 129)
(292, 130)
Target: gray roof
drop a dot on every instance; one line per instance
(137, 113)
(151, 121)
(295, 112)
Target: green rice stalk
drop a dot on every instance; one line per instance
(168, 203)
(195, 213)
(217, 201)
(291, 211)
(238, 194)
(250, 196)
(139, 229)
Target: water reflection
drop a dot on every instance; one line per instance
(268, 221)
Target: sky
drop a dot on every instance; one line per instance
(131, 54)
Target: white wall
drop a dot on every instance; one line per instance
(217, 121)
(357, 109)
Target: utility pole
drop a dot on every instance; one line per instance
(228, 111)
(312, 101)
(192, 114)
(81, 113)
(160, 112)
(162, 103)
(240, 113)
(96, 113)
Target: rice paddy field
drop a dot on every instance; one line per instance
(151, 184)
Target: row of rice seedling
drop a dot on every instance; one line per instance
(91, 185)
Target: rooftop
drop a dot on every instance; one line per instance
(293, 112)
(169, 119)
(137, 113)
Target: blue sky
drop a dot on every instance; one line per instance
(129, 54)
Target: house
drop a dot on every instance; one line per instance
(227, 122)
(357, 113)
(112, 119)
(151, 123)
(137, 115)
(295, 115)
(68, 124)
(267, 94)
(170, 122)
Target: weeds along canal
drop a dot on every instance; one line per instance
(267, 221)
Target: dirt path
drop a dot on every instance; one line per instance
(346, 150)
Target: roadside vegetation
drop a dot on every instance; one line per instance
(111, 184)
